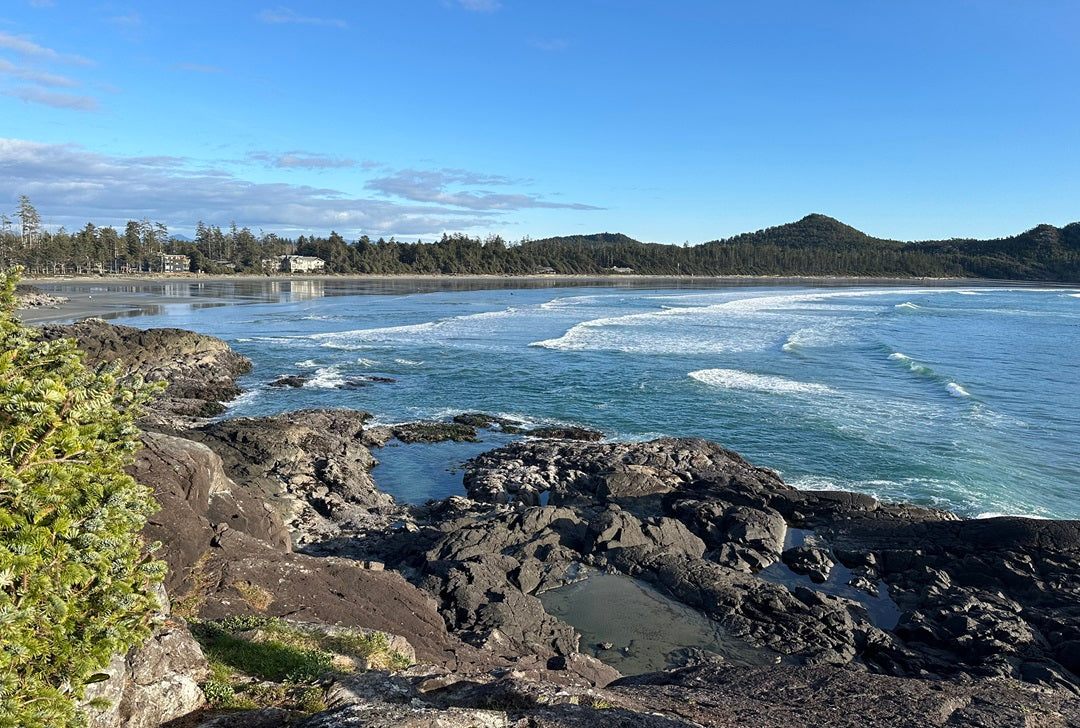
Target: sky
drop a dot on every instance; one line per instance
(670, 121)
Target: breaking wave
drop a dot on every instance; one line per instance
(750, 382)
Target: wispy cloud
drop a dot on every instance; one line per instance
(301, 160)
(197, 68)
(42, 78)
(71, 185)
(480, 6)
(27, 48)
(56, 99)
(282, 15)
(435, 187)
(131, 20)
(551, 45)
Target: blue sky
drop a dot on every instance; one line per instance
(668, 121)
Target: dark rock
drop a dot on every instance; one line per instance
(566, 433)
(290, 380)
(481, 420)
(435, 432)
(315, 465)
(330, 591)
(812, 561)
(198, 368)
(194, 493)
(783, 696)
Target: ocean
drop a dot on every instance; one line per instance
(958, 396)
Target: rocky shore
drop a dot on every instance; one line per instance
(833, 608)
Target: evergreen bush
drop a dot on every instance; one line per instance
(76, 578)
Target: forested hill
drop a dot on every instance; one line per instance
(816, 245)
(821, 245)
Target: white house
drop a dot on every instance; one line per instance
(302, 264)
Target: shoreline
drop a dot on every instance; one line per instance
(128, 296)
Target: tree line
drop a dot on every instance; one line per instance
(817, 245)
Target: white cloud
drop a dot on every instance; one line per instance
(480, 6)
(27, 48)
(434, 187)
(42, 78)
(301, 160)
(70, 185)
(281, 15)
(198, 68)
(56, 99)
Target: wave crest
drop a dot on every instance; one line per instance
(750, 382)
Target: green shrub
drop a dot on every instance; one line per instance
(76, 579)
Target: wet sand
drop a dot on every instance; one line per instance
(115, 297)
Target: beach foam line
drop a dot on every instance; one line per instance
(750, 382)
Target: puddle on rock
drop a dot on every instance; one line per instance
(882, 611)
(647, 630)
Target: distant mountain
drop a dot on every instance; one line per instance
(593, 240)
(813, 231)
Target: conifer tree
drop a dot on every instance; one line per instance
(75, 576)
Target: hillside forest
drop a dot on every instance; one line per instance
(816, 245)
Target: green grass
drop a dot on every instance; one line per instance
(257, 661)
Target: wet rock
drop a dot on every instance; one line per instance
(435, 432)
(812, 561)
(566, 433)
(290, 380)
(481, 420)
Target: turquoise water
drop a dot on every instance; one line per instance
(961, 397)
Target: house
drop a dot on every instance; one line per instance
(302, 264)
(175, 264)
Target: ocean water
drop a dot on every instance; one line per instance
(963, 397)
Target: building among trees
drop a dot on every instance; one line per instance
(302, 264)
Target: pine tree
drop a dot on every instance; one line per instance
(75, 576)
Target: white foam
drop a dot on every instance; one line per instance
(908, 306)
(326, 378)
(730, 325)
(748, 381)
(1001, 514)
(912, 365)
(442, 330)
(956, 390)
(244, 399)
(307, 364)
(366, 362)
(408, 362)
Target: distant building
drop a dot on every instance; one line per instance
(175, 264)
(302, 264)
(620, 269)
(544, 271)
